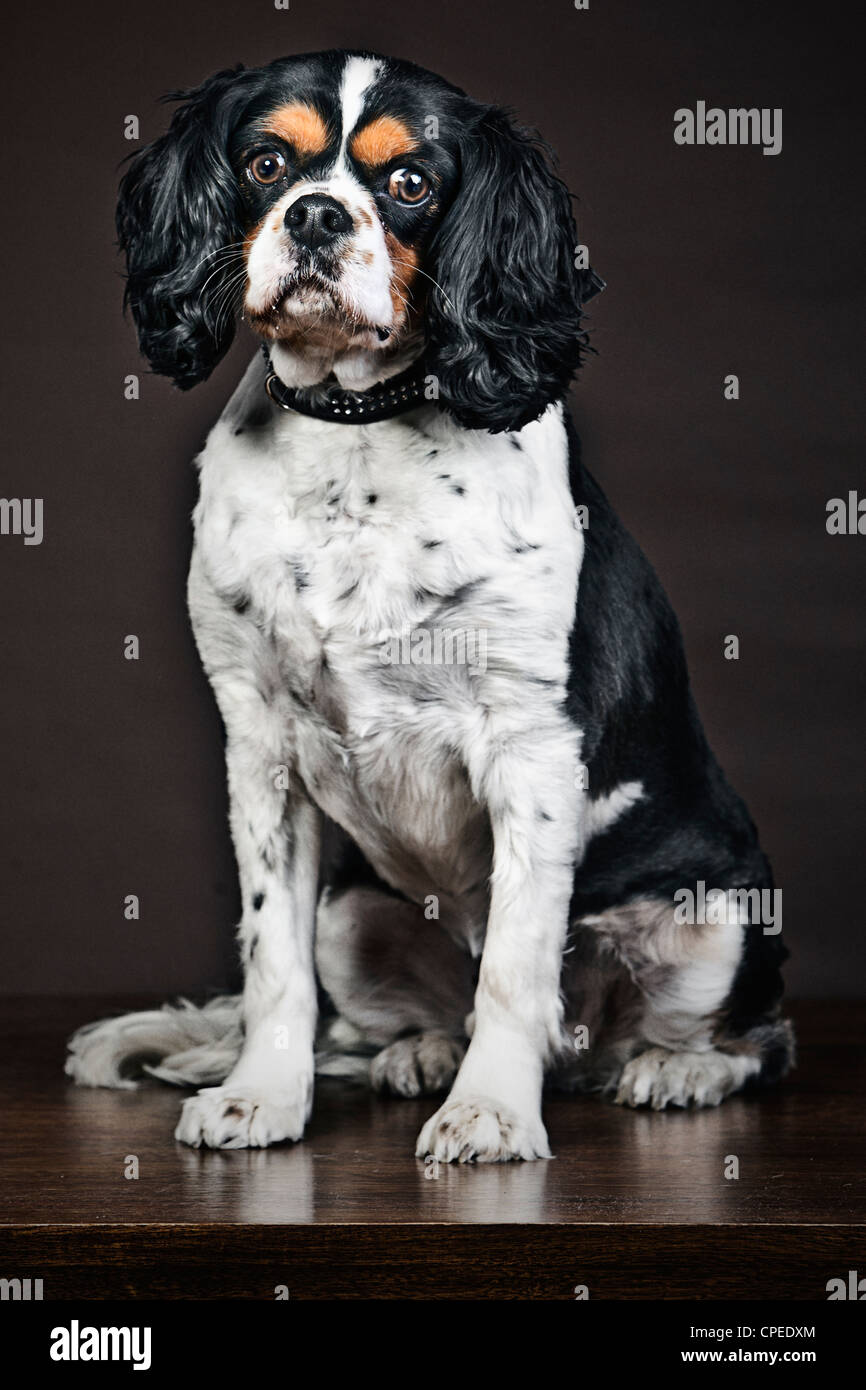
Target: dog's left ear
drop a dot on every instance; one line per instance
(504, 323)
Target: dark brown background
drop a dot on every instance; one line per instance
(718, 260)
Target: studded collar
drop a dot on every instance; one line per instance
(330, 402)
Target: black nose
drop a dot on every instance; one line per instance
(316, 220)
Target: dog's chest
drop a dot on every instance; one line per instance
(403, 575)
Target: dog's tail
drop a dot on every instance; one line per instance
(180, 1043)
(188, 1046)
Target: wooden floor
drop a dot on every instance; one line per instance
(635, 1204)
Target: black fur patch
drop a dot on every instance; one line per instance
(629, 692)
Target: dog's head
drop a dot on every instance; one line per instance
(356, 210)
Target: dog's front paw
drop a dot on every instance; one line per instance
(239, 1117)
(481, 1131)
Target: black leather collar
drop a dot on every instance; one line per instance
(380, 402)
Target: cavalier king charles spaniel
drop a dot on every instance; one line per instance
(483, 843)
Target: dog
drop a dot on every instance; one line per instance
(459, 873)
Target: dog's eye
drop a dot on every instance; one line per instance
(408, 186)
(267, 167)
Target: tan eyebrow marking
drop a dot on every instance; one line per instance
(381, 140)
(300, 126)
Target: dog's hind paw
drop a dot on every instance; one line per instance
(659, 1077)
(418, 1065)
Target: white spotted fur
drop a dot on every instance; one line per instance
(469, 798)
(415, 783)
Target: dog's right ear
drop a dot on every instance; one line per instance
(180, 223)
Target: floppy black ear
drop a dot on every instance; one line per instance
(180, 223)
(505, 328)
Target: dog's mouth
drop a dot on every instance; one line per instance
(305, 298)
(311, 302)
(301, 295)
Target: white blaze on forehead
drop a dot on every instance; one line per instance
(359, 75)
